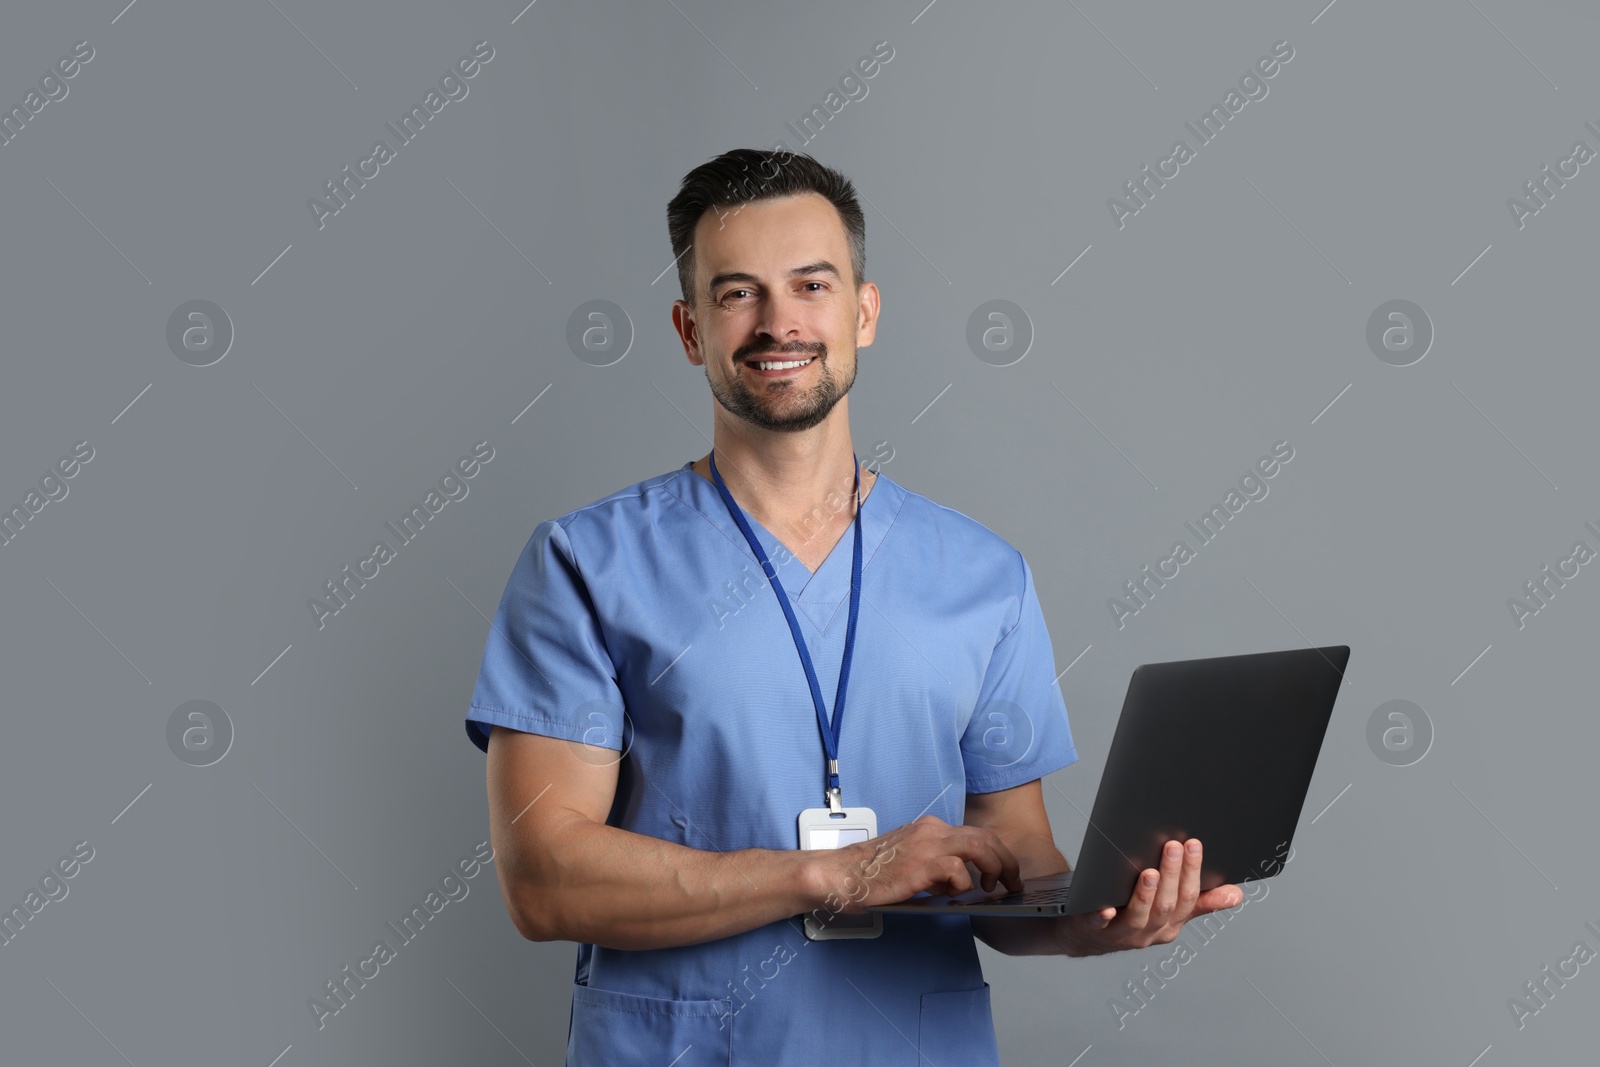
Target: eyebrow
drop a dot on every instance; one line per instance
(821, 266)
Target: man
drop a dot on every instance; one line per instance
(653, 709)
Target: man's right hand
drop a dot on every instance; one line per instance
(567, 875)
(928, 854)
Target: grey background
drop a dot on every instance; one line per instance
(1224, 317)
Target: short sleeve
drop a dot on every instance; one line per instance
(545, 666)
(1019, 729)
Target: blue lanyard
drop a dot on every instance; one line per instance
(830, 731)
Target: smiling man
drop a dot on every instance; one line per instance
(667, 784)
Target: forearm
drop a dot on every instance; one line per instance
(606, 886)
(1024, 936)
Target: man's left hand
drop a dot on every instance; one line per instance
(1163, 900)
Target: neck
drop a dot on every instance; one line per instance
(783, 479)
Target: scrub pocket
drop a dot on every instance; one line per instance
(957, 1028)
(612, 1029)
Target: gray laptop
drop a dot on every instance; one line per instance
(1222, 749)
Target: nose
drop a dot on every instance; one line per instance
(780, 318)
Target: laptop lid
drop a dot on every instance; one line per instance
(1222, 749)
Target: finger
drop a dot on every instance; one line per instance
(979, 860)
(950, 876)
(982, 881)
(1137, 913)
(997, 863)
(988, 854)
(1166, 902)
(1011, 868)
(1189, 882)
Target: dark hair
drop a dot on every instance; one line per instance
(744, 175)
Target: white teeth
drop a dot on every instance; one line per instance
(783, 366)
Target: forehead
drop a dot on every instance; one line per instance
(767, 237)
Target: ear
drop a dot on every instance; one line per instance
(867, 315)
(688, 331)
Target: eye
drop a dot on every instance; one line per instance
(731, 292)
(822, 284)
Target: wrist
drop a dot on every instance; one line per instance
(1066, 937)
(818, 878)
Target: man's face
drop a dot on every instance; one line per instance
(773, 284)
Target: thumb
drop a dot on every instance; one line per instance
(1220, 899)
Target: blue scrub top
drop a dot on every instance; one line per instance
(643, 623)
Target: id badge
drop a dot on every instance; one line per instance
(821, 828)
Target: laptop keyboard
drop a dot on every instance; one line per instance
(1056, 895)
(1035, 896)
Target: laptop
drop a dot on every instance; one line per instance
(1222, 749)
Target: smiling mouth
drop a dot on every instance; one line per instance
(775, 364)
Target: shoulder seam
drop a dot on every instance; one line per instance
(1022, 596)
(588, 594)
(618, 496)
(696, 511)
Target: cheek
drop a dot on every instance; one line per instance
(719, 337)
(839, 328)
